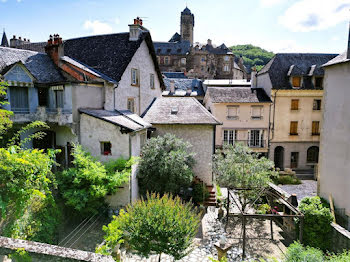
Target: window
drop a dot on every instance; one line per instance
(203, 59)
(256, 112)
(232, 112)
(59, 98)
(183, 61)
(43, 96)
(202, 68)
(296, 81)
(226, 68)
(294, 104)
(131, 104)
(319, 82)
(135, 77)
(317, 104)
(294, 159)
(151, 80)
(230, 136)
(294, 128)
(19, 99)
(227, 58)
(106, 148)
(166, 60)
(256, 138)
(315, 128)
(312, 154)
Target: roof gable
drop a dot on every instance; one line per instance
(18, 73)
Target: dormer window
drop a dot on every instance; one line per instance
(296, 81)
(319, 82)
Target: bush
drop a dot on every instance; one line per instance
(317, 222)
(155, 225)
(200, 193)
(165, 166)
(297, 253)
(84, 186)
(288, 180)
(263, 209)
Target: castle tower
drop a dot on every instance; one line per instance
(187, 24)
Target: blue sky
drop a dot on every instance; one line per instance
(276, 25)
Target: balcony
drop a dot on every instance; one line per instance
(49, 115)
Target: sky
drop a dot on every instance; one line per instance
(319, 26)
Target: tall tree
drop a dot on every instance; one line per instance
(5, 122)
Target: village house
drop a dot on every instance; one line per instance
(96, 101)
(187, 119)
(244, 112)
(203, 61)
(334, 165)
(295, 83)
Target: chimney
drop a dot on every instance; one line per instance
(188, 91)
(136, 29)
(172, 86)
(209, 42)
(348, 51)
(253, 77)
(54, 48)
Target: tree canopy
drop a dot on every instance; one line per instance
(252, 55)
(165, 165)
(5, 122)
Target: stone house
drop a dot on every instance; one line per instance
(79, 90)
(244, 112)
(187, 119)
(203, 61)
(334, 162)
(295, 83)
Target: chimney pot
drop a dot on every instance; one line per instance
(25, 39)
(20, 38)
(14, 36)
(209, 42)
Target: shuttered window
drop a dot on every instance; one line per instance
(315, 127)
(19, 99)
(256, 112)
(232, 112)
(294, 104)
(294, 128)
(296, 81)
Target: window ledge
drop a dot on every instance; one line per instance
(232, 117)
(316, 134)
(256, 117)
(293, 134)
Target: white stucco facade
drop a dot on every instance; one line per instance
(201, 137)
(334, 164)
(142, 94)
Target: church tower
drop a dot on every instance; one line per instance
(187, 24)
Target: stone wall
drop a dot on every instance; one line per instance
(340, 238)
(44, 252)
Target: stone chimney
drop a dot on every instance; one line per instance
(172, 86)
(54, 48)
(348, 51)
(253, 78)
(15, 42)
(209, 42)
(136, 29)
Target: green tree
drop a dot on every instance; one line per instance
(153, 226)
(252, 55)
(84, 186)
(317, 222)
(165, 166)
(238, 167)
(5, 121)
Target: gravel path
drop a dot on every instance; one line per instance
(307, 188)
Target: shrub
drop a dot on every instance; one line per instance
(297, 253)
(200, 193)
(84, 186)
(165, 166)
(317, 222)
(288, 180)
(344, 257)
(155, 225)
(263, 209)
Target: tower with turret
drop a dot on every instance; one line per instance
(186, 25)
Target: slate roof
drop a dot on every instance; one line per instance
(186, 11)
(226, 82)
(38, 64)
(280, 65)
(238, 95)
(123, 118)
(220, 50)
(342, 58)
(175, 75)
(182, 85)
(109, 54)
(175, 38)
(172, 48)
(4, 41)
(188, 112)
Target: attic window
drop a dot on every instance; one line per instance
(319, 82)
(158, 50)
(168, 50)
(174, 110)
(179, 50)
(296, 81)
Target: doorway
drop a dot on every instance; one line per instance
(279, 157)
(294, 157)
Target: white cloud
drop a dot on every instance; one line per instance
(313, 15)
(269, 3)
(3, 1)
(97, 27)
(117, 21)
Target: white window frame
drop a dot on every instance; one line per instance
(226, 68)
(232, 117)
(133, 104)
(135, 77)
(166, 60)
(256, 138)
(229, 136)
(226, 58)
(183, 61)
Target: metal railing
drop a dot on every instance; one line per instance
(253, 143)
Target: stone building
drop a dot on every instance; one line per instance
(204, 61)
(334, 164)
(244, 112)
(295, 83)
